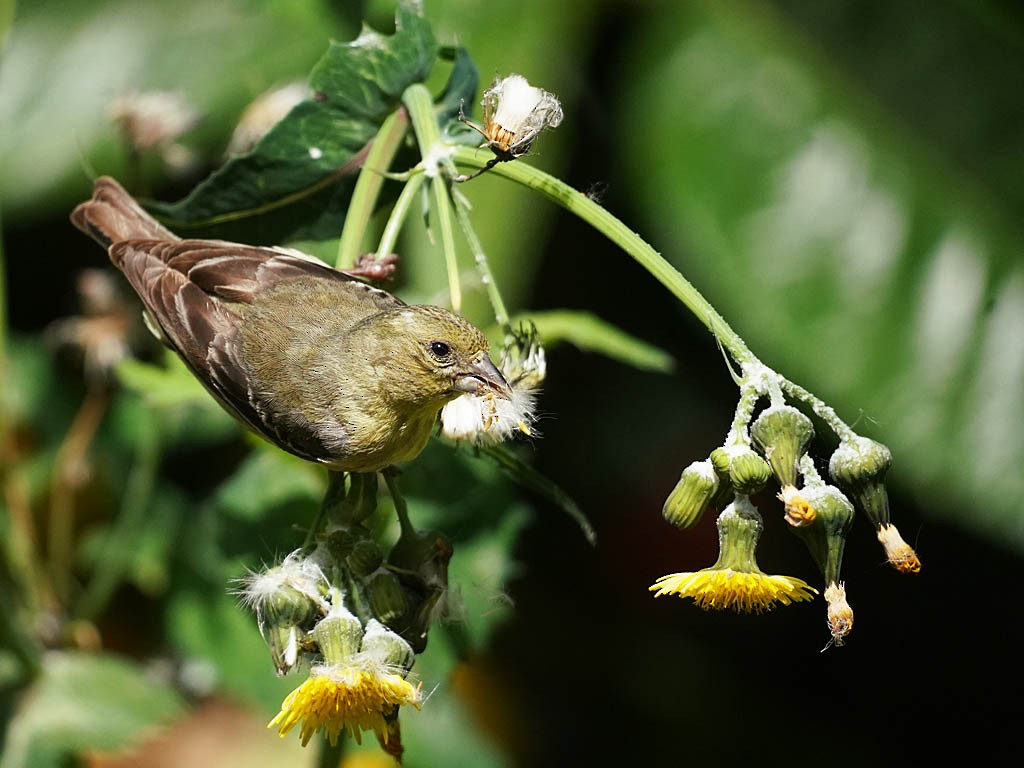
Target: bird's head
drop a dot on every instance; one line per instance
(435, 356)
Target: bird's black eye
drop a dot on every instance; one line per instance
(440, 349)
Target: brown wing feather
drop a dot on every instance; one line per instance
(113, 215)
(198, 292)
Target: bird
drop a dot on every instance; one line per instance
(316, 361)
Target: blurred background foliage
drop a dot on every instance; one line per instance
(841, 179)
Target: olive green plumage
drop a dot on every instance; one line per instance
(314, 360)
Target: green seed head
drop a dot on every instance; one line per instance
(387, 647)
(825, 537)
(858, 466)
(782, 433)
(385, 595)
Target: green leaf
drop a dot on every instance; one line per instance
(297, 181)
(212, 630)
(270, 478)
(460, 90)
(188, 414)
(218, 56)
(162, 385)
(592, 334)
(83, 702)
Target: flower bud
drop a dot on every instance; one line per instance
(286, 599)
(364, 558)
(858, 466)
(748, 472)
(742, 469)
(385, 595)
(783, 433)
(423, 554)
(281, 617)
(696, 487)
(825, 536)
(339, 634)
(387, 647)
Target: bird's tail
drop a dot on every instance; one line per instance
(113, 215)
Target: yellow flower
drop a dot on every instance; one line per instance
(718, 589)
(735, 581)
(352, 697)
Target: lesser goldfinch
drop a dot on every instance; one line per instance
(316, 361)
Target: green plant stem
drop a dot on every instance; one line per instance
(480, 258)
(420, 105)
(611, 227)
(399, 213)
(331, 755)
(579, 204)
(824, 411)
(738, 435)
(401, 507)
(368, 186)
(443, 207)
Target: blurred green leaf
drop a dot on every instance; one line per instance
(460, 90)
(267, 479)
(65, 61)
(162, 385)
(143, 553)
(299, 178)
(187, 413)
(7, 12)
(83, 702)
(850, 257)
(590, 333)
(220, 640)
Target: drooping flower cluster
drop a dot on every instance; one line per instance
(351, 616)
(820, 514)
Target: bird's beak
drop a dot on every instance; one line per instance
(482, 376)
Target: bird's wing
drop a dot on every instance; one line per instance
(197, 292)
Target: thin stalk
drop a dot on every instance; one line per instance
(480, 257)
(443, 207)
(825, 412)
(368, 186)
(738, 435)
(611, 227)
(64, 481)
(331, 755)
(401, 507)
(420, 105)
(399, 213)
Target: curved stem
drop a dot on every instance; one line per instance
(368, 186)
(420, 104)
(480, 257)
(398, 214)
(824, 411)
(611, 227)
(443, 205)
